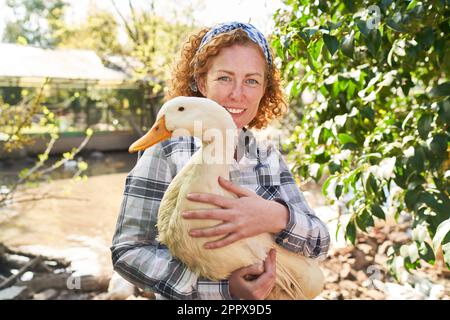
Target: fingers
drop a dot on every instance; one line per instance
(210, 198)
(221, 229)
(218, 214)
(232, 237)
(236, 189)
(269, 267)
(252, 270)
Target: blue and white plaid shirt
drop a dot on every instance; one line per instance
(141, 259)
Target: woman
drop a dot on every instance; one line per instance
(231, 64)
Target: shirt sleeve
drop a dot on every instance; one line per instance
(305, 233)
(136, 254)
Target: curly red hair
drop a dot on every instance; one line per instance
(193, 64)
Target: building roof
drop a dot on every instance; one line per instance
(29, 66)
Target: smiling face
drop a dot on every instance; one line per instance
(235, 80)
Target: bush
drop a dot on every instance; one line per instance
(378, 123)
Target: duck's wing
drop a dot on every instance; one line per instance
(170, 203)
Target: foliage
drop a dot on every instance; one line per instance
(378, 124)
(14, 121)
(99, 32)
(154, 41)
(34, 21)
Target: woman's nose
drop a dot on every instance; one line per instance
(236, 91)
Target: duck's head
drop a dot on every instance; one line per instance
(183, 116)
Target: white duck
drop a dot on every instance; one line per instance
(297, 277)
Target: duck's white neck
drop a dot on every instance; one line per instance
(218, 146)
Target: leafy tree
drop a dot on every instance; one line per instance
(153, 42)
(34, 21)
(378, 124)
(99, 32)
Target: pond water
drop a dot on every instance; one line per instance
(78, 220)
(99, 163)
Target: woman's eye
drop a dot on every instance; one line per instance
(252, 81)
(224, 78)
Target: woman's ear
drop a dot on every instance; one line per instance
(201, 84)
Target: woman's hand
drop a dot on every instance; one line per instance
(254, 289)
(246, 216)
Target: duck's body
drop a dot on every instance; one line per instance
(297, 276)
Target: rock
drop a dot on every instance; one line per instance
(373, 242)
(14, 292)
(396, 291)
(119, 288)
(374, 294)
(360, 260)
(367, 249)
(437, 292)
(398, 237)
(332, 277)
(345, 294)
(133, 297)
(331, 286)
(382, 249)
(45, 295)
(381, 259)
(345, 271)
(333, 295)
(361, 276)
(348, 285)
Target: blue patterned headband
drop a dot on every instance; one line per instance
(254, 34)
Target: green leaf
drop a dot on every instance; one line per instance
(394, 25)
(338, 227)
(364, 220)
(362, 26)
(373, 42)
(331, 42)
(348, 44)
(89, 132)
(426, 253)
(424, 125)
(442, 230)
(334, 167)
(442, 90)
(418, 160)
(439, 144)
(371, 184)
(411, 5)
(350, 231)
(325, 185)
(350, 146)
(338, 190)
(411, 198)
(346, 138)
(377, 211)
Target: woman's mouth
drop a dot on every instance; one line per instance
(234, 111)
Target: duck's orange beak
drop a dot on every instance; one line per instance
(156, 134)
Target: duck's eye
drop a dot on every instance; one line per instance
(181, 109)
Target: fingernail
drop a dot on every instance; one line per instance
(207, 246)
(193, 233)
(185, 214)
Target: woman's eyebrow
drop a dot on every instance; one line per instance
(247, 75)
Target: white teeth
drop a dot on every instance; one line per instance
(234, 111)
